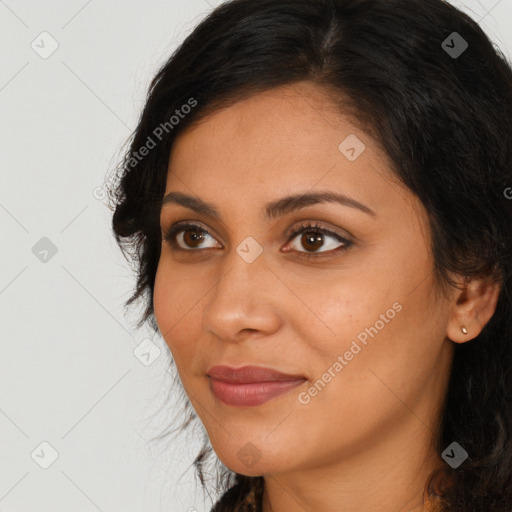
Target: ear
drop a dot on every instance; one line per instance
(473, 305)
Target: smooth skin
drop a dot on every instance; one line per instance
(364, 441)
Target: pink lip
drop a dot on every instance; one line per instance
(250, 385)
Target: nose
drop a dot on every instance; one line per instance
(244, 301)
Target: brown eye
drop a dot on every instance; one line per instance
(187, 237)
(311, 240)
(315, 237)
(193, 237)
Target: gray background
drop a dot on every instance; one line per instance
(74, 371)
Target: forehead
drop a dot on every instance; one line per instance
(284, 141)
(289, 129)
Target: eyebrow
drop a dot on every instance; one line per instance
(273, 209)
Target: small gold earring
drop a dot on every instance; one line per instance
(464, 330)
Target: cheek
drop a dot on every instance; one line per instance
(173, 303)
(395, 334)
(336, 311)
(362, 331)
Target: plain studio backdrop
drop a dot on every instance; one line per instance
(82, 391)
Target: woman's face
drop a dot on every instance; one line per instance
(359, 320)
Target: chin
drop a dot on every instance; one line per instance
(248, 460)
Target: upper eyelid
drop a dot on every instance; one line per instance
(314, 226)
(180, 226)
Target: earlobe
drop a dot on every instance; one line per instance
(473, 306)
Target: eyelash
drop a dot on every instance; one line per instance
(170, 234)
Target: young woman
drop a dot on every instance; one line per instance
(318, 198)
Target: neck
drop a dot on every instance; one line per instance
(387, 477)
